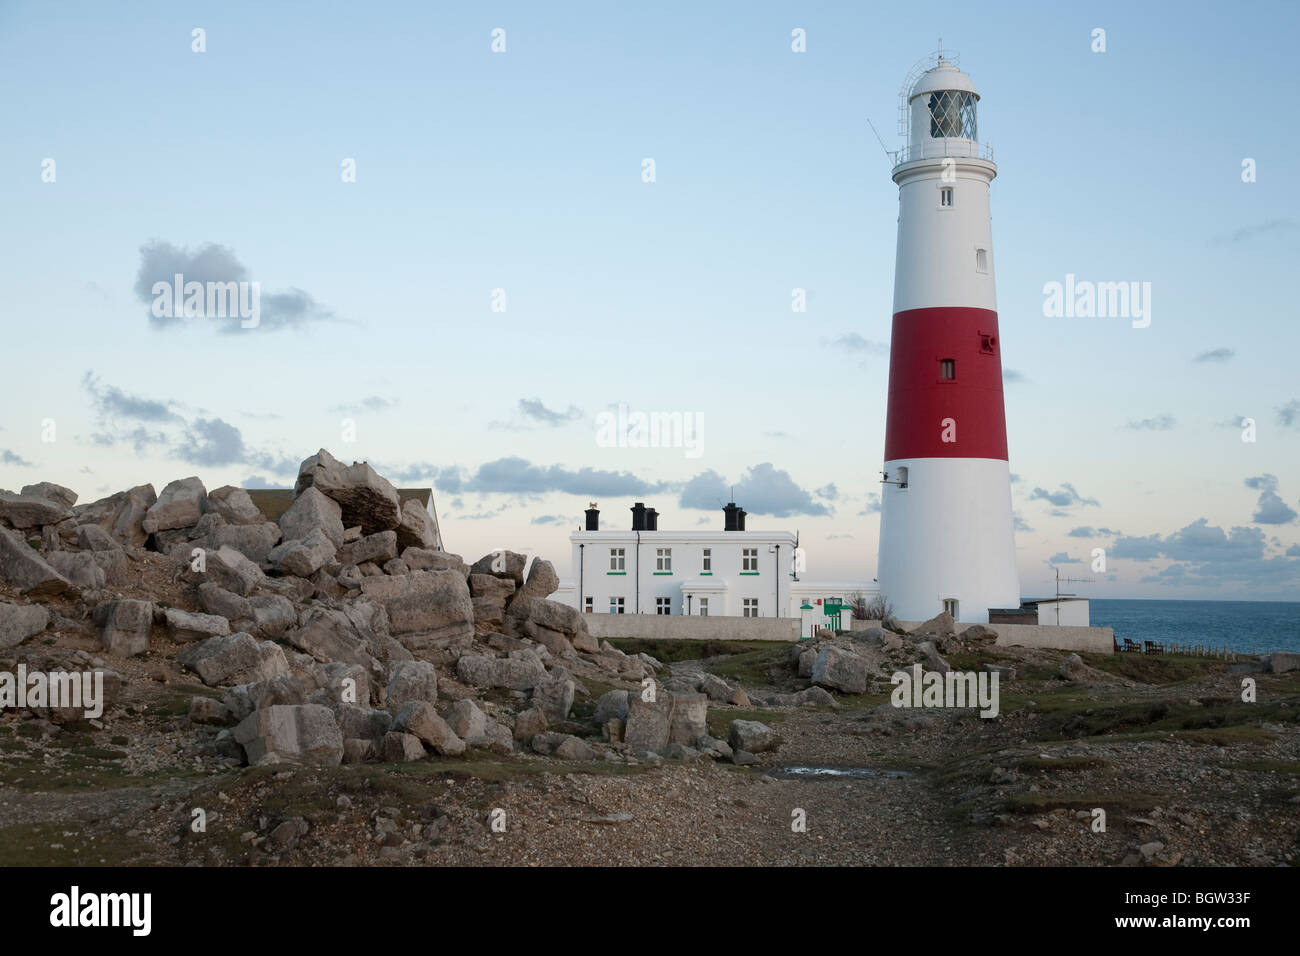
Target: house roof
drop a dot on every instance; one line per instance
(273, 502)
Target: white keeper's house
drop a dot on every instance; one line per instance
(729, 573)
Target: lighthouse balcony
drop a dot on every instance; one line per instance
(943, 147)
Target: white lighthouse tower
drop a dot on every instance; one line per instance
(946, 535)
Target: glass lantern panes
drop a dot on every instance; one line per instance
(952, 114)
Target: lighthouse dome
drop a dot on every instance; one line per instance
(943, 77)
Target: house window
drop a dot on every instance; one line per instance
(707, 566)
(948, 369)
(751, 607)
(616, 559)
(663, 605)
(616, 605)
(664, 560)
(589, 605)
(945, 197)
(749, 559)
(704, 607)
(950, 605)
(981, 260)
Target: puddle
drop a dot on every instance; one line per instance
(841, 773)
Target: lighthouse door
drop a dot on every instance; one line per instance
(950, 605)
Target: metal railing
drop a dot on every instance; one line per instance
(939, 148)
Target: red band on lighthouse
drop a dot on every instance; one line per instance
(945, 365)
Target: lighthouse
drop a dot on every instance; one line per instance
(946, 535)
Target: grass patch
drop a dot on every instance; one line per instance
(1155, 668)
(719, 721)
(765, 665)
(1287, 767)
(1049, 765)
(44, 844)
(669, 652)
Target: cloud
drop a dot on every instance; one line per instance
(1293, 551)
(1259, 229)
(872, 506)
(515, 475)
(1215, 355)
(550, 519)
(1015, 479)
(532, 408)
(1064, 497)
(1206, 555)
(1270, 509)
(448, 478)
(1161, 423)
(371, 403)
(1012, 377)
(8, 457)
(257, 481)
(775, 435)
(1289, 414)
(1062, 558)
(1087, 531)
(853, 342)
(211, 442)
(161, 262)
(839, 537)
(763, 490)
(829, 492)
(1019, 523)
(110, 402)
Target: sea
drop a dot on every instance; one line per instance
(1243, 626)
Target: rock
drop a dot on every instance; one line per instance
(510, 673)
(304, 557)
(230, 569)
(979, 633)
(418, 717)
(253, 541)
(234, 659)
(310, 511)
(48, 489)
(402, 747)
(31, 511)
(572, 748)
(396, 566)
(1073, 668)
(689, 713)
(547, 622)
(206, 710)
(715, 748)
(715, 688)
(529, 723)
(647, 726)
(840, 670)
(743, 758)
(752, 737)
(1149, 850)
(365, 498)
(329, 635)
(114, 565)
(502, 564)
(554, 697)
(542, 581)
(1004, 672)
(121, 515)
(300, 734)
(125, 626)
(489, 595)
(411, 681)
(468, 723)
(18, 622)
(181, 505)
(425, 607)
(91, 537)
(741, 699)
(417, 529)
(217, 600)
(377, 548)
(1283, 662)
(360, 750)
(611, 705)
(584, 642)
(807, 658)
(184, 627)
(354, 720)
(235, 505)
(80, 568)
(288, 833)
(22, 568)
(933, 660)
(422, 559)
(939, 627)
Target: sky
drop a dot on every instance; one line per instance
(501, 270)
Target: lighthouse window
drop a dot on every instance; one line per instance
(945, 196)
(947, 369)
(952, 114)
(981, 260)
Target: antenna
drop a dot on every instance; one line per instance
(1060, 580)
(891, 156)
